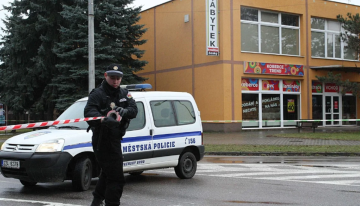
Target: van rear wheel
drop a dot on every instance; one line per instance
(27, 183)
(186, 167)
(82, 175)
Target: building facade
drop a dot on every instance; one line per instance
(252, 64)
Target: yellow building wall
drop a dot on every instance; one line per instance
(180, 52)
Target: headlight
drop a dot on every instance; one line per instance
(51, 146)
(2, 146)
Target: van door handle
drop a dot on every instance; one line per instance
(151, 132)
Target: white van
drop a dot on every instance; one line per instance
(167, 132)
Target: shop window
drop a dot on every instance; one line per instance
(250, 110)
(349, 109)
(271, 110)
(317, 107)
(325, 40)
(279, 32)
(290, 109)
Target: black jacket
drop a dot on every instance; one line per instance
(104, 138)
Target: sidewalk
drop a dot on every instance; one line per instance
(264, 137)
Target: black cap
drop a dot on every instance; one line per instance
(114, 70)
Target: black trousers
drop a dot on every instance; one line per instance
(111, 180)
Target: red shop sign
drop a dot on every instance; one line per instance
(316, 87)
(331, 87)
(291, 85)
(336, 105)
(250, 84)
(275, 69)
(271, 85)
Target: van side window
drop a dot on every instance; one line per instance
(185, 112)
(163, 113)
(138, 122)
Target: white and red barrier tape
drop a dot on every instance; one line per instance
(46, 124)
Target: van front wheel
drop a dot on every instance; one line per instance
(82, 175)
(187, 165)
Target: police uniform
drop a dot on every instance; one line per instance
(107, 135)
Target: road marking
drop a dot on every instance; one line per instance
(40, 202)
(339, 174)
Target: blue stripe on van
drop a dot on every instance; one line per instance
(139, 138)
(87, 144)
(176, 135)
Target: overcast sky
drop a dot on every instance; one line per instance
(145, 3)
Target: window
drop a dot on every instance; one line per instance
(172, 112)
(185, 112)
(250, 110)
(163, 113)
(325, 40)
(269, 32)
(138, 122)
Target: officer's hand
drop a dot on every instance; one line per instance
(121, 111)
(110, 122)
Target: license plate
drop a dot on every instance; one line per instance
(10, 164)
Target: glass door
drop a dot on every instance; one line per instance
(332, 111)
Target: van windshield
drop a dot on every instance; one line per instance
(75, 111)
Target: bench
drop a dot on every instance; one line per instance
(310, 124)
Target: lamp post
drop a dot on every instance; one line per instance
(91, 46)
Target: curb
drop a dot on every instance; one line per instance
(280, 154)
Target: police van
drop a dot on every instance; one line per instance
(166, 132)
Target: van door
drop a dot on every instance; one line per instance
(172, 132)
(137, 143)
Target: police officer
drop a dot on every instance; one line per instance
(110, 99)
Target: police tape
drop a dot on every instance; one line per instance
(299, 120)
(46, 124)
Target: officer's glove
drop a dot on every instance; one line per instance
(110, 122)
(121, 111)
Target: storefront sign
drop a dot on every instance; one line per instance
(291, 106)
(272, 85)
(316, 87)
(331, 87)
(212, 47)
(2, 114)
(291, 85)
(250, 84)
(275, 69)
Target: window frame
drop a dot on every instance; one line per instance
(327, 32)
(278, 25)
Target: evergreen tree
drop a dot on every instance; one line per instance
(28, 61)
(115, 39)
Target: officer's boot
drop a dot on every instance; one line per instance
(97, 202)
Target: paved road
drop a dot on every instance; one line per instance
(220, 180)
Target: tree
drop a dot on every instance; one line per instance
(26, 53)
(116, 37)
(45, 50)
(351, 25)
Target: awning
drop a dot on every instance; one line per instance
(338, 68)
